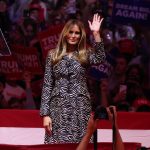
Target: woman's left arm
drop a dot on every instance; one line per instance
(98, 55)
(95, 27)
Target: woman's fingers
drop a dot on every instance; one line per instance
(47, 123)
(48, 129)
(98, 18)
(101, 20)
(89, 23)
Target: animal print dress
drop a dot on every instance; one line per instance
(65, 97)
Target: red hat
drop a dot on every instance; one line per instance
(141, 101)
(34, 6)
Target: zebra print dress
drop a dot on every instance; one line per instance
(65, 97)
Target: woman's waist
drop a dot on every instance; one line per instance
(70, 90)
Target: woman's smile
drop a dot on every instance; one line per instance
(73, 35)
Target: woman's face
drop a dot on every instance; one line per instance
(73, 35)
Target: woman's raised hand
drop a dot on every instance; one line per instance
(95, 24)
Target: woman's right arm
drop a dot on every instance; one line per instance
(47, 88)
(46, 93)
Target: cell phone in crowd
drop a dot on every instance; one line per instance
(122, 88)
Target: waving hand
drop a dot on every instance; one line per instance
(96, 23)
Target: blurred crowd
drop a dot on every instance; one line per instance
(125, 83)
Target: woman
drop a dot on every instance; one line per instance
(65, 102)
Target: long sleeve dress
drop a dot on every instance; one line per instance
(65, 97)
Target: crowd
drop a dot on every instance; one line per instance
(122, 81)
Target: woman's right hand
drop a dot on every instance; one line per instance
(47, 124)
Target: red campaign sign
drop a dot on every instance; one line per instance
(48, 39)
(9, 67)
(27, 58)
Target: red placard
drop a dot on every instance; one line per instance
(9, 67)
(48, 39)
(27, 58)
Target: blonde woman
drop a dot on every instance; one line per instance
(65, 102)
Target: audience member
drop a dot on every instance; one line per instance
(92, 126)
(134, 82)
(117, 83)
(13, 89)
(141, 105)
(30, 103)
(16, 34)
(30, 29)
(5, 22)
(99, 92)
(17, 10)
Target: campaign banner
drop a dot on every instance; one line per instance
(49, 38)
(9, 67)
(102, 70)
(27, 58)
(131, 11)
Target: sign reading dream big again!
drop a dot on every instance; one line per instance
(131, 11)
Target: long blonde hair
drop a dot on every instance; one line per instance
(61, 47)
